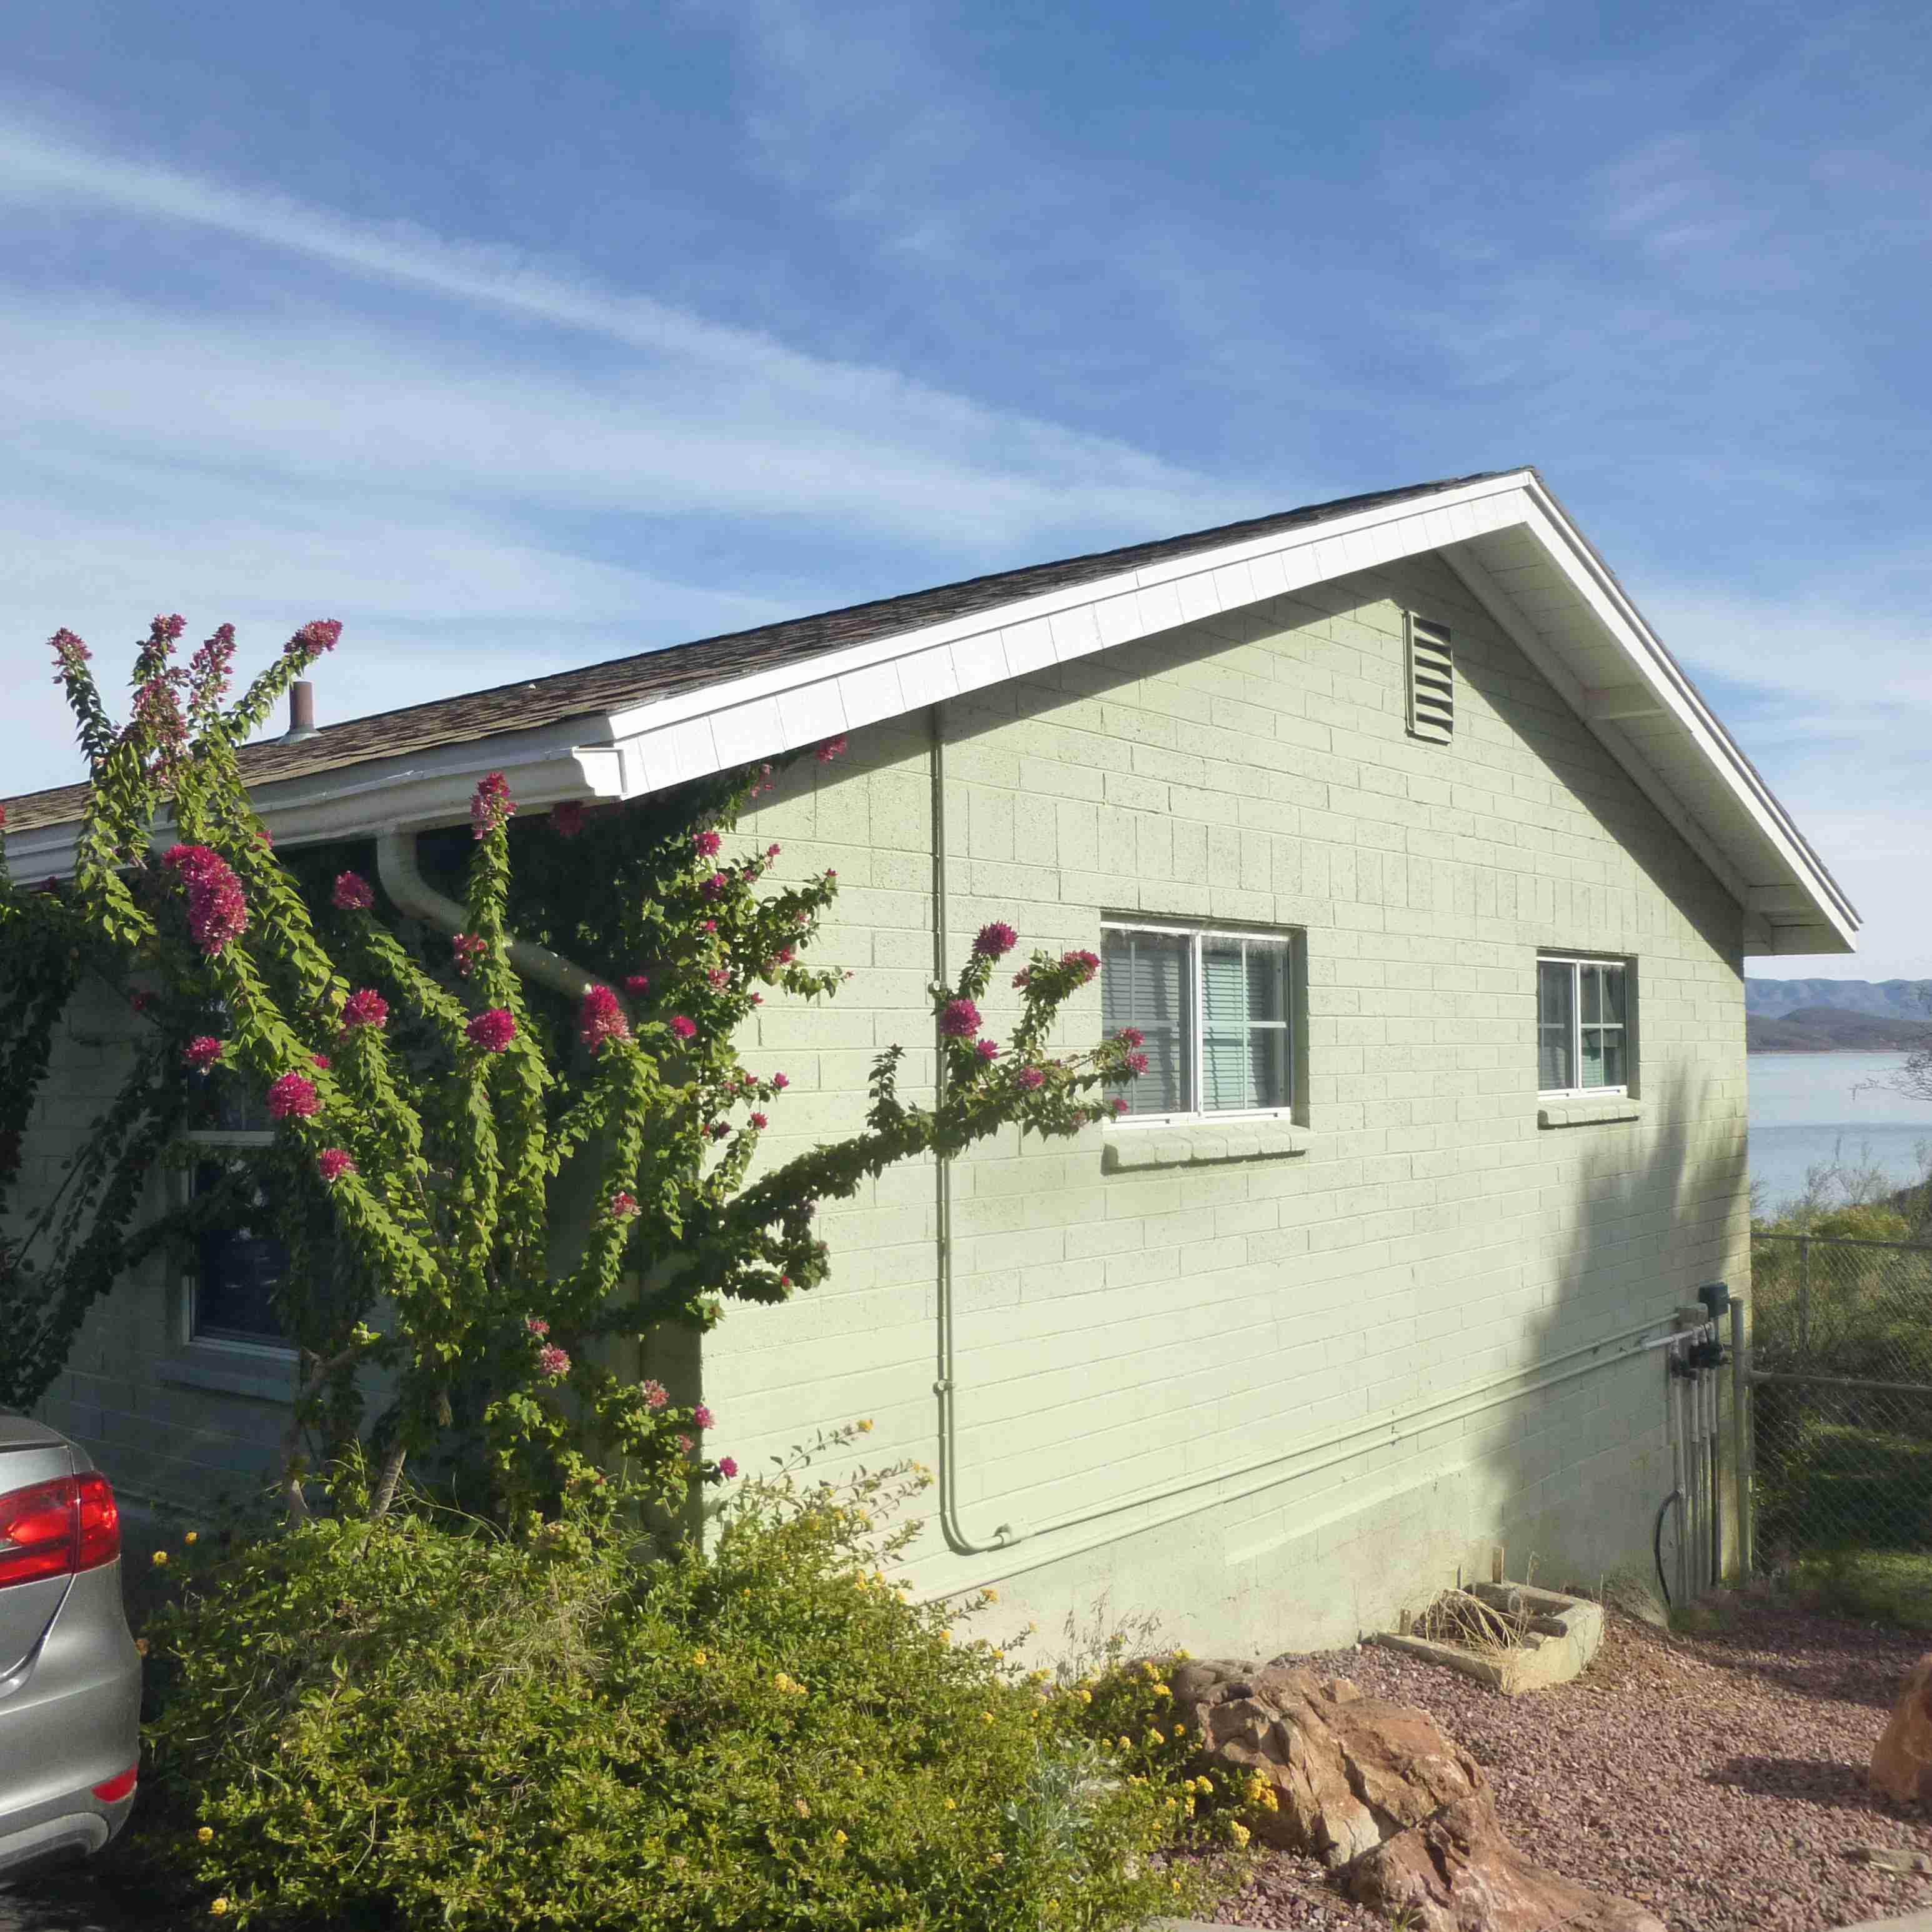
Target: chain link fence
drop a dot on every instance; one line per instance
(1841, 1394)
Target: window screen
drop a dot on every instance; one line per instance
(1582, 1024)
(1214, 1008)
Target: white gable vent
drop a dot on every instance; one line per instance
(1432, 681)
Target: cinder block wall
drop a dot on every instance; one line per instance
(169, 1423)
(1272, 1398)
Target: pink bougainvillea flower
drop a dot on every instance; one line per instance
(759, 1121)
(364, 1007)
(832, 748)
(467, 949)
(638, 984)
(771, 851)
(553, 1361)
(292, 1096)
(959, 1020)
(727, 1465)
(536, 1325)
(706, 842)
(987, 1049)
(718, 882)
(217, 912)
(1023, 979)
(1117, 1106)
(718, 1129)
(203, 1053)
(995, 939)
(1089, 963)
(600, 1019)
(493, 1029)
(566, 820)
(718, 975)
(312, 639)
(709, 926)
(785, 955)
(655, 1393)
(780, 1082)
(491, 805)
(141, 999)
(1029, 1078)
(623, 1205)
(684, 1028)
(702, 1417)
(685, 1443)
(1131, 1036)
(332, 1163)
(353, 893)
(1137, 1064)
(320, 1059)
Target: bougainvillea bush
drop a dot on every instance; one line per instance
(513, 1186)
(385, 1722)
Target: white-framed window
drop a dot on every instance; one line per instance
(1217, 1012)
(1582, 1024)
(234, 1270)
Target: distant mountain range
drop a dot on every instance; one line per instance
(1837, 1016)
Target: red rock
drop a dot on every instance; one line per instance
(1901, 1766)
(1458, 1873)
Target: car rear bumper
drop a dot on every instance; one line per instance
(73, 1723)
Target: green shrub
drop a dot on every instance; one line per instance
(417, 1721)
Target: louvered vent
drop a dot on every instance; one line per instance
(1432, 681)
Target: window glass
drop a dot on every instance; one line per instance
(1147, 981)
(1213, 1010)
(1556, 1014)
(238, 1269)
(1583, 1038)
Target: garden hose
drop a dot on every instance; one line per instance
(1657, 1540)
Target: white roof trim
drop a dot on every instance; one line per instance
(1748, 841)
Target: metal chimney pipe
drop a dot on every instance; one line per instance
(301, 708)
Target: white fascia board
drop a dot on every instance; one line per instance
(1676, 698)
(792, 705)
(547, 764)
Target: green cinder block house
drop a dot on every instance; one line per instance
(1430, 878)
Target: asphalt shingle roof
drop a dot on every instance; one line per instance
(650, 676)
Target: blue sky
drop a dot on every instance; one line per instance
(525, 336)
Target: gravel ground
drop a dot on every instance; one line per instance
(1720, 1779)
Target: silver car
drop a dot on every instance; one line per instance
(69, 1675)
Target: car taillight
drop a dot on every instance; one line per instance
(52, 1529)
(116, 1789)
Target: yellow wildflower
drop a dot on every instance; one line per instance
(945, 1636)
(1126, 1744)
(999, 1656)
(161, 1556)
(1237, 1832)
(1190, 1807)
(991, 1595)
(190, 1536)
(1181, 1730)
(219, 1907)
(1038, 1676)
(205, 1835)
(866, 1427)
(985, 1716)
(1162, 1690)
(698, 1657)
(141, 1645)
(1085, 1696)
(803, 1810)
(1270, 1802)
(1182, 1656)
(951, 1806)
(839, 1837)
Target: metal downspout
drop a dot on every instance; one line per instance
(402, 878)
(944, 1387)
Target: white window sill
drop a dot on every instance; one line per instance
(262, 1378)
(1191, 1143)
(1575, 1111)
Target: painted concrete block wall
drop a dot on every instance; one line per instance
(1273, 1397)
(168, 1421)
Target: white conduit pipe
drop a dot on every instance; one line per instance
(397, 867)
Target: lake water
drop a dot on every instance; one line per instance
(1806, 1108)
